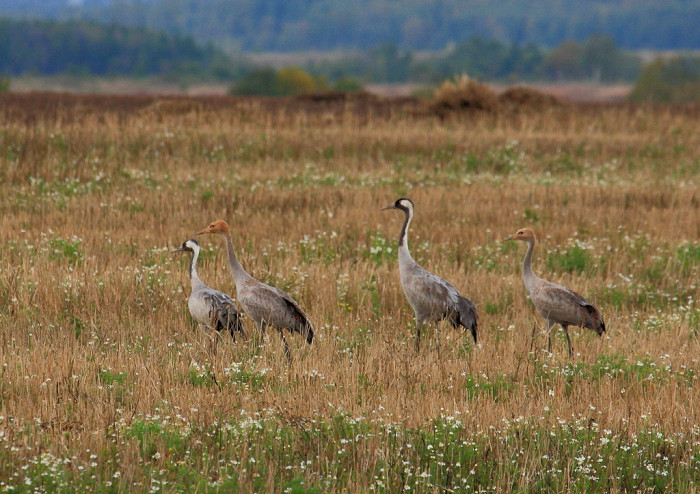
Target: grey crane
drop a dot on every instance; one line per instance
(431, 297)
(555, 303)
(212, 309)
(266, 305)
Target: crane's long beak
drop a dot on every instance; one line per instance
(388, 206)
(507, 238)
(206, 230)
(179, 249)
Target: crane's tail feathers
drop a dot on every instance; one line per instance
(595, 322)
(602, 328)
(302, 325)
(304, 328)
(468, 316)
(309, 330)
(473, 331)
(237, 326)
(228, 320)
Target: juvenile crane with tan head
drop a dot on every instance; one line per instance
(212, 309)
(432, 298)
(555, 303)
(266, 305)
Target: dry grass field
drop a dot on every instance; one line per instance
(108, 386)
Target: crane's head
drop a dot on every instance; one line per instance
(218, 226)
(188, 246)
(404, 204)
(524, 234)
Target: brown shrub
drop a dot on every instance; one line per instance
(464, 93)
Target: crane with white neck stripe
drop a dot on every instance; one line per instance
(212, 309)
(432, 298)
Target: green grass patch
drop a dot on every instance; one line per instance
(380, 250)
(496, 387)
(254, 452)
(321, 248)
(572, 260)
(626, 371)
(70, 251)
(688, 257)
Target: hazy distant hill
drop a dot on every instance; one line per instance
(46, 8)
(288, 25)
(86, 47)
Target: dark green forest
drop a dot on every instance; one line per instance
(86, 48)
(298, 25)
(596, 59)
(674, 80)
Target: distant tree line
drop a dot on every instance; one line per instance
(596, 59)
(80, 47)
(84, 47)
(672, 80)
(87, 48)
(299, 25)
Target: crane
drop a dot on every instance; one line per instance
(555, 303)
(212, 309)
(266, 305)
(431, 297)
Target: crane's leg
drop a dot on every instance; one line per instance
(236, 325)
(568, 340)
(261, 333)
(437, 338)
(216, 341)
(550, 325)
(419, 325)
(287, 353)
(206, 330)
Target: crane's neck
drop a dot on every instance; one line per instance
(194, 278)
(404, 254)
(239, 274)
(528, 276)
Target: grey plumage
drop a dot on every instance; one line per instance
(212, 309)
(264, 304)
(555, 303)
(431, 297)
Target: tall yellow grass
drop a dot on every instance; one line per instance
(93, 196)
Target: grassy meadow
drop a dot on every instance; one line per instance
(107, 385)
